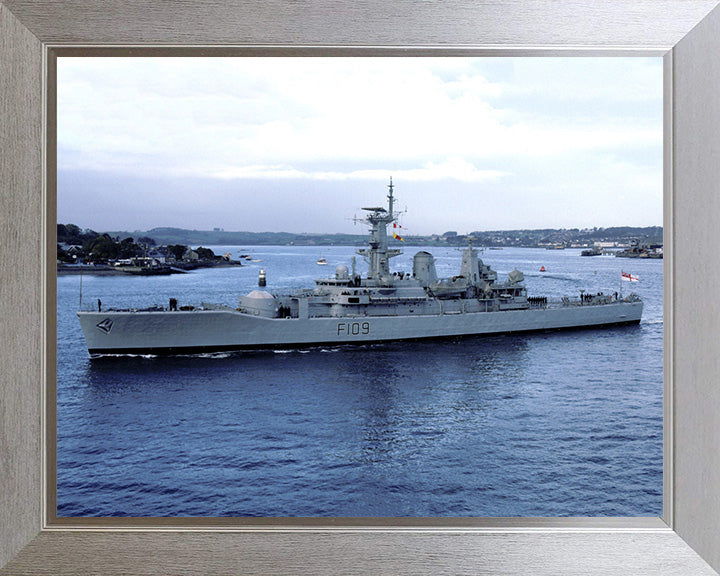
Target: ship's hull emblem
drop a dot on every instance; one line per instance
(105, 325)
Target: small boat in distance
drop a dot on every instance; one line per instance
(542, 268)
(350, 307)
(321, 262)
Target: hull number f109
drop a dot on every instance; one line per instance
(353, 328)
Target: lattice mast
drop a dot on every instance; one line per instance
(378, 255)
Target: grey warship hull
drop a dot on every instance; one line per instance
(185, 332)
(350, 308)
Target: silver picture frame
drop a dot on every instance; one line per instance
(686, 33)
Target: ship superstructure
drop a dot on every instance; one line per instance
(349, 307)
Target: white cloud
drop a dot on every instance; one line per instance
(440, 121)
(451, 169)
(182, 116)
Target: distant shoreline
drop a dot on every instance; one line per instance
(105, 270)
(526, 238)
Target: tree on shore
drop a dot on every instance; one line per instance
(104, 247)
(205, 253)
(73, 234)
(146, 241)
(177, 250)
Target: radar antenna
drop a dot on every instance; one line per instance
(378, 254)
(390, 197)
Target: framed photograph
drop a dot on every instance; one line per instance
(648, 545)
(271, 341)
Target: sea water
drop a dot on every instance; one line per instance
(545, 424)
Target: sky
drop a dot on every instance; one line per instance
(301, 144)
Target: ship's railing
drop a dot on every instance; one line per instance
(305, 293)
(598, 299)
(91, 308)
(156, 308)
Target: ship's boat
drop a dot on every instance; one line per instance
(350, 307)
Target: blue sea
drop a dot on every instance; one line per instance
(548, 424)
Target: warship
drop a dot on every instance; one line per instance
(352, 308)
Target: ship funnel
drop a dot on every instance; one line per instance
(470, 266)
(424, 268)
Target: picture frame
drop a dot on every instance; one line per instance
(684, 541)
(96, 375)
